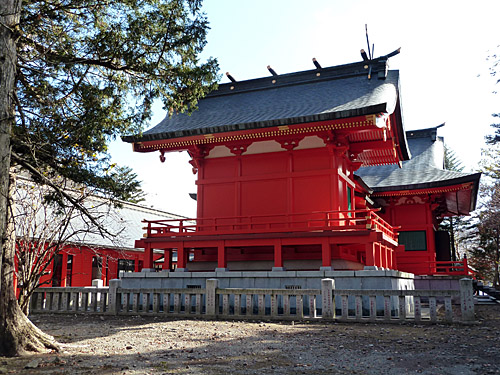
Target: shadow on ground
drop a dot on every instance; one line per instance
(147, 345)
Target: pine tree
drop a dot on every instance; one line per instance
(454, 225)
(485, 256)
(494, 59)
(74, 75)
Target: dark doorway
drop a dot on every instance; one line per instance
(96, 268)
(57, 270)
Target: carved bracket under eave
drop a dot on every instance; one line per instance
(198, 154)
(239, 148)
(289, 143)
(336, 143)
(195, 163)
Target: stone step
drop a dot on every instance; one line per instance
(485, 300)
(488, 291)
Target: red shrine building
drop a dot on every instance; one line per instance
(417, 197)
(308, 171)
(89, 256)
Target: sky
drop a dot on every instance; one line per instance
(443, 67)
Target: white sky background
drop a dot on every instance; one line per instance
(443, 67)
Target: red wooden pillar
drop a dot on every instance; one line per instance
(383, 256)
(390, 256)
(221, 257)
(181, 257)
(237, 195)
(64, 268)
(378, 254)
(466, 266)
(167, 259)
(394, 264)
(334, 175)
(105, 270)
(326, 255)
(370, 254)
(137, 259)
(278, 256)
(148, 256)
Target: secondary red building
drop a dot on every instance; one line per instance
(90, 256)
(417, 197)
(276, 159)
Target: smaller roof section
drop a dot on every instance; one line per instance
(35, 219)
(425, 172)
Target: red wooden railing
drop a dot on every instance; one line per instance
(351, 220)
(455, 267)
(452, 267)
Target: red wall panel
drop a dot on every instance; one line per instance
(270, 183)
(219, 168)
(311, 194)
(410, 214)
(264, 164)
(312, 159)
(265, 197)
(219, 200)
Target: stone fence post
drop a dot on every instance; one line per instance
(467, 300)
(112, 296)
(211, 298)
(327, 298)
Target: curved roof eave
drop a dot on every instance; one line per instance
(401, 132)
(474, 178)
(369, 110)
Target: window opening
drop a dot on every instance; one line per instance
(413, 240)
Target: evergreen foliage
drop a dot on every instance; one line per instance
(485, 255)
(454, 225)
(75, 74)
(89, 70)
(494, 58)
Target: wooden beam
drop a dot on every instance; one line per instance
(359, 147)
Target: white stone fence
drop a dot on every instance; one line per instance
(212, 302)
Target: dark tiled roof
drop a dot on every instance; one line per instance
(423, 170)
(314, 95)
(125, 220)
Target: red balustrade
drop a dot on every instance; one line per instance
(352, 220)
(452, 267)
(455, 267)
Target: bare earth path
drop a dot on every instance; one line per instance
(139, 345)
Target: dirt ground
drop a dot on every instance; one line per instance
(148, 345)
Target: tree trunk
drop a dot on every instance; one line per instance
(496, 263)
(24, 301)
(9, 19)
(17, 333)
(454, 254)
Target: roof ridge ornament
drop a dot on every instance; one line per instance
(316, 63)
(370, 51)
(271, 70)
(370, 60)
(231, 78)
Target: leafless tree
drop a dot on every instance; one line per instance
(45, 228)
